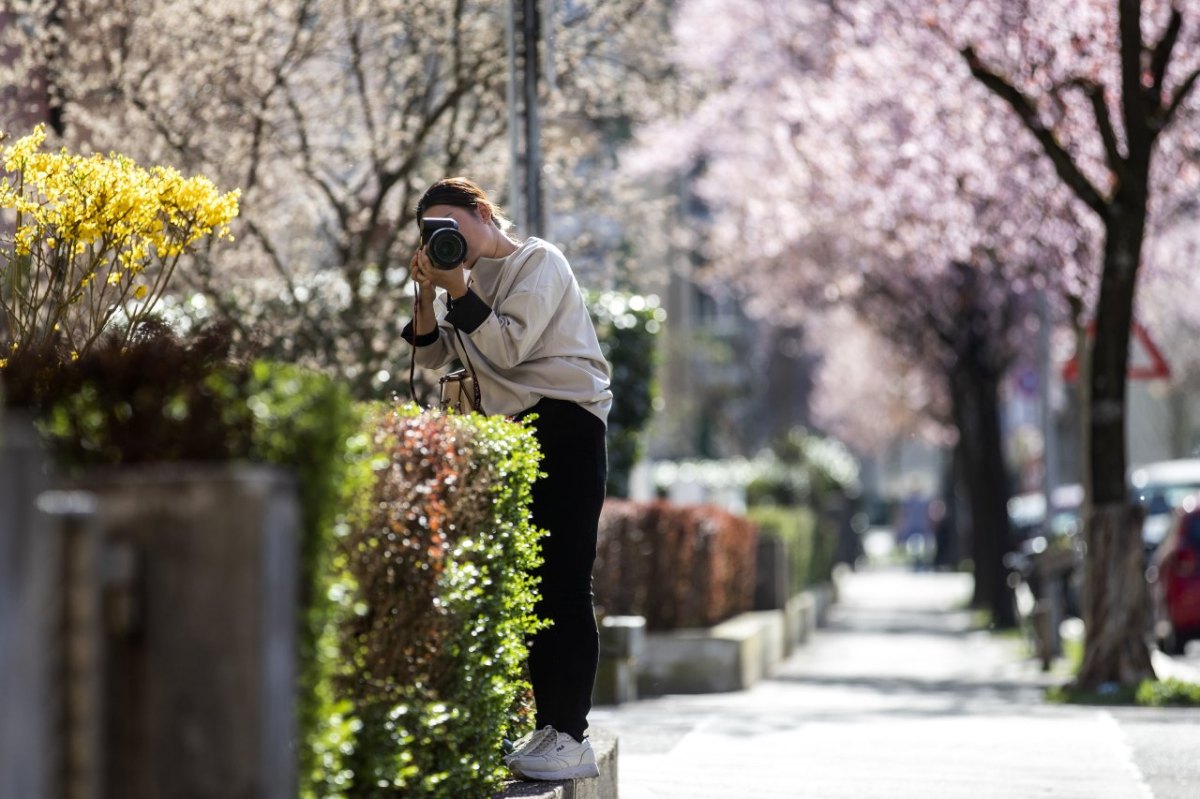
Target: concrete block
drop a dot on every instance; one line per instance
(200, 594)
(622, 636)
(825, 596)
(771, 573)
(774, 648)
(801, 616)
(726, 657)
(78, 650)
(622, 642)
(28, 616)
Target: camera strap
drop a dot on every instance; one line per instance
(412, 361)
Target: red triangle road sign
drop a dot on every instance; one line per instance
(1146, 361)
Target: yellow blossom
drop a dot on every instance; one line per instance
(98, 216)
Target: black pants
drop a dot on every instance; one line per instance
(567, 502)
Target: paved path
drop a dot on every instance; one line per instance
(897, 698)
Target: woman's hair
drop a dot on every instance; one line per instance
(464, 194)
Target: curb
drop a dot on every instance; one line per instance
(604, 744)
(1166, 667)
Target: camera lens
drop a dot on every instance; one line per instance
(447, 248)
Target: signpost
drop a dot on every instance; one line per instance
(1146, 361)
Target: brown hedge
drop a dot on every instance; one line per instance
(676, 565)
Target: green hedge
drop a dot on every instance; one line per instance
(810, 546)
(627, 326)
(164, 398)
(422, 515)
(676, 565)
(435, 599)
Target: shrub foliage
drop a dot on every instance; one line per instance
(677, 565)
(436, 600)
(417, 551)
(810, 545)
(156, 398)
(627, 326)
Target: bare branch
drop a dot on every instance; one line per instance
(1161, 56)
(357, 57)
(1180, 97)
(278, 79)
(1064, 164)
(313, 331)
(1138, 136)
(1095, 94)
(309, 169)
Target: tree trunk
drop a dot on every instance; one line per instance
(948, 530)
(1116, 649)
(1114, 610)
(976, 397)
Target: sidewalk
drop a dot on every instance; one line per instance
(897, 698)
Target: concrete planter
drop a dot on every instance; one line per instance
(197, 571)
(732, 655)
(622, 644)
(27, 617)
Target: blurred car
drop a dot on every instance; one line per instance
(1160, 488)
(1174, 576)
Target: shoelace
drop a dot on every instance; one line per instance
(526, 739)
(548, 743)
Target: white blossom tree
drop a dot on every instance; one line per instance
(332, 117)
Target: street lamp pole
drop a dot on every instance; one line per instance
(515, 206)
(524, 124)
(1049, 430)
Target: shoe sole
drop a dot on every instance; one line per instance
(578, 772)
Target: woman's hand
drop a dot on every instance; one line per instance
(420, 275)
(428, 276)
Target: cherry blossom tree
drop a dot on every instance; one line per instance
(850, 159)
(866, 393)
(1166, 298)
(1104, 87)
(888, 171)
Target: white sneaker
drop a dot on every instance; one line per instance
(555, 756)
(529, 739)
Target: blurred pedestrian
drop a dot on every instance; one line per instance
(514, 311)
(914, 532)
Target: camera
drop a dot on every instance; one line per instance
(447, 247)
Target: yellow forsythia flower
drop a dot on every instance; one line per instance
(89, 225)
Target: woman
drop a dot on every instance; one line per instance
(533, 348)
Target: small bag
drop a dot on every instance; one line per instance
(460, 392)
(459, 389)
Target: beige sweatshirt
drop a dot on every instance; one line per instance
(527, 332)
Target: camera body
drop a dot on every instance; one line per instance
(446, 246)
